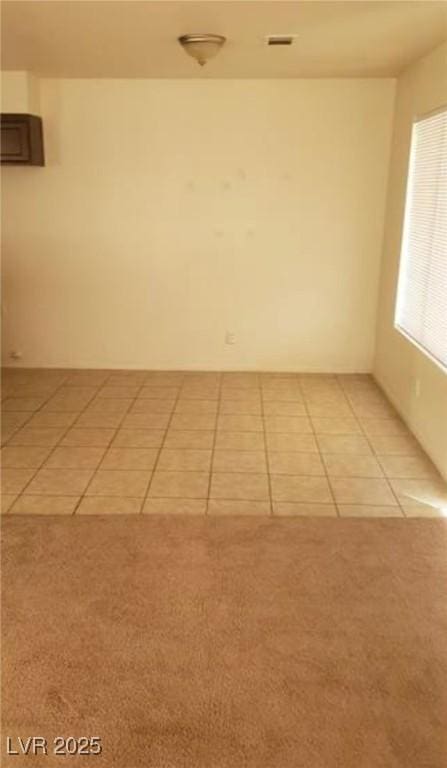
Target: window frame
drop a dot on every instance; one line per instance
(404, 238)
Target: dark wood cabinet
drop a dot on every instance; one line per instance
(21, 140)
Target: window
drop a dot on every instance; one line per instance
(421, 307)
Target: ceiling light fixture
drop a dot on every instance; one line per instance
(202, 47)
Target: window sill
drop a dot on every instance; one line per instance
(421, 349)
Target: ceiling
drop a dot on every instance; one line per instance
(55, 38)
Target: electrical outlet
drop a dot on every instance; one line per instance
(230, 337)
(15, 354)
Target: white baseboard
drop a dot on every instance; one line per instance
(107, 366)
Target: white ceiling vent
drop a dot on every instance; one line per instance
(280, 39)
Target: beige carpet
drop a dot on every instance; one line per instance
(228, 643)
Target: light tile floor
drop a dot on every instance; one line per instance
(127, 442)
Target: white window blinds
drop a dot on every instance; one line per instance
(421, 307)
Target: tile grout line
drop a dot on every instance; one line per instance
(64, 434)
(295, 383)
(352, 415)
(267, 461)
(53, 448)
(58, 443)
(107, 448)
(331, 490)
(32, 414)
(229, 471)
(82, 495)
(200, 498)
(162, 444)
(213, 446)
(365, 435)
(387, 478)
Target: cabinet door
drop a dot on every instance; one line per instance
(15, 141)
(21, 140)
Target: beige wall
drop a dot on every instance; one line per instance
(170, 212)
(417, 386)
(19, 92)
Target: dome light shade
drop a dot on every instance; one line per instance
(202, 47)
